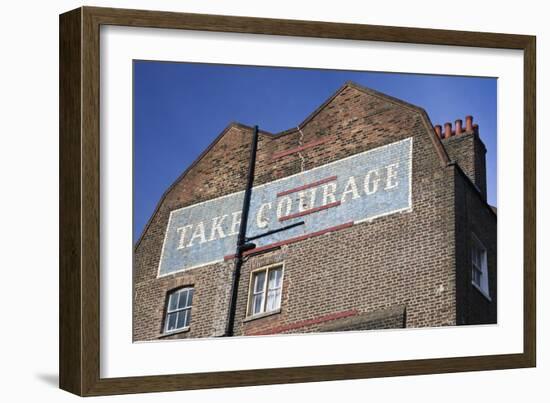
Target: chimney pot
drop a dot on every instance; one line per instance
(469, 120)
(458, 127)
(475, 128)
(438, 130)
(448, 131)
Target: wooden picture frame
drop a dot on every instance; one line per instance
(80, 200)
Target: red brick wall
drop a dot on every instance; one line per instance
(405, 259)
(468, 151)
(474, 216)
(401, 259)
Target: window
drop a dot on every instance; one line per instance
(178, 310)
(265, 290)
(480, 277)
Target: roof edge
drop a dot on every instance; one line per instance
(440, 149)
(438, 145)
(468, 180)
(191, 166)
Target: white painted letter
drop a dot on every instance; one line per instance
(262, 221)
(329, 194)
(235, 223)
(280, 206)
(182, 231)
(312, 197)
(391, 175)
(198, 233)
(217, 227)
(351, 187)
(368, 189)
(302, 205)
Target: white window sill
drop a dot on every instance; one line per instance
(176, 331)
(261, 315)
(482, 292)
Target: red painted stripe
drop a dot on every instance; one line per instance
(310, 185)
(304, 323)
(292, 240)
(310, 211)
(301, 148)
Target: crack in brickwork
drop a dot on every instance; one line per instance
(301, 143)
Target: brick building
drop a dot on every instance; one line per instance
(397, 231)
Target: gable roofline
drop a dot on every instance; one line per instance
(438, 145)
(222, 134)
(316, 111)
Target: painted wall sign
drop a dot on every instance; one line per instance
(357, 188)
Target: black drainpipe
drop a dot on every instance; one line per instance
(241, 240)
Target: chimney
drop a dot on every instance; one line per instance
(465, 147)
(458, 127)
(448, 130)
(469, 120)
(437, 129)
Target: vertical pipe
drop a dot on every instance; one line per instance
(241, 239)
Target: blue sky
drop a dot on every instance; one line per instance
(179, 108)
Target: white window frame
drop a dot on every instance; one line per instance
(251, 293)
(483, 286)
(169, 311)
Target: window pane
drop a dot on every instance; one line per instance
(476, 277)
(275, 277)
(273, 300)
(257, 303)
(182, 319)
(182, 298)
(171, 321)
(190, 293)
(173, 301)
(259, 280)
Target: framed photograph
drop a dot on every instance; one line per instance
(250, 201)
